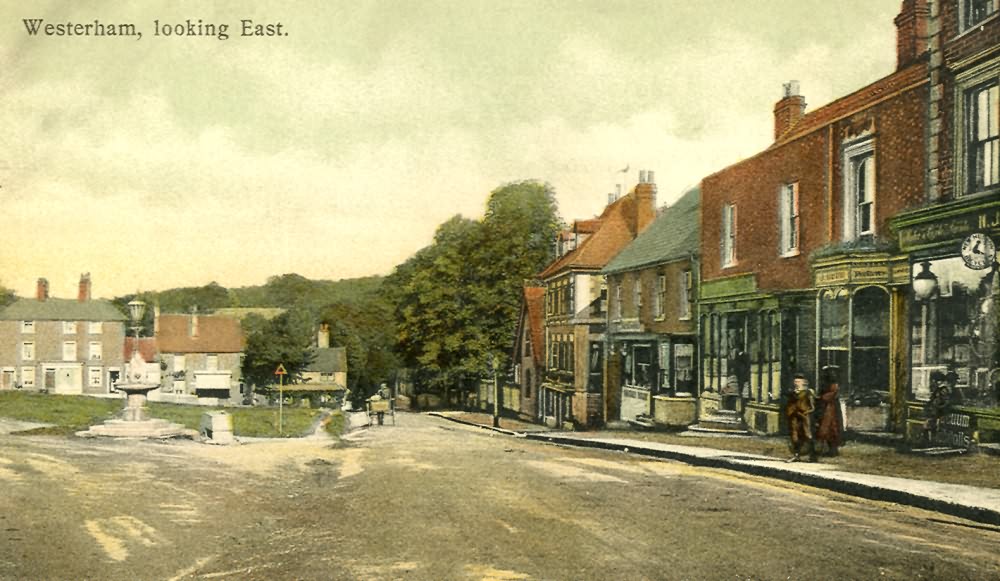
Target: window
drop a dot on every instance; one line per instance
(28, 351)
(984, 137)
(617, 307)
(94, 377)
(683, 296)
(95, 328)
(95, 351)
(978, 10)
(859, 198)
(28, 376)
(788, 216)
(660, 298)
(637, 293)
(69, 351)
(728, 235)
(27, 326)
(69, 327)
(212, 362)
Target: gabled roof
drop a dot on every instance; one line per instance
(61, 310)
(856, 101)
(329, 360)
(216, 334)
(611, 233)
(673, 235)
(532, 315)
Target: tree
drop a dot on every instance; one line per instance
(285, 340)
(457, 300)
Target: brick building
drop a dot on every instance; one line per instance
(951, 238)
(575, 316)
(652, 334)
(61, 345)
(529, 352)
(807, 267)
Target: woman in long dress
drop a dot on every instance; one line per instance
(830, 425)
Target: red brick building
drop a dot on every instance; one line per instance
(951, 238)
(529, 351)
(806, 273)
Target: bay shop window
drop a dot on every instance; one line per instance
(854, 336)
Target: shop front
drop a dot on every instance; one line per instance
(954, 291)
(752, 343)
(862, 331)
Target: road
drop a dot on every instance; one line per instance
(429, 499)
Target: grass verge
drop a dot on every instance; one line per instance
(72, 413)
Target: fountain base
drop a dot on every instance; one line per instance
(149, 428)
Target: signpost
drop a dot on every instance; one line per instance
(281, 373)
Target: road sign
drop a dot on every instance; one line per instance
(280, 370)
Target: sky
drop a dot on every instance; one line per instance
(335, 149)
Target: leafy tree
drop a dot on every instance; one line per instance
(367, 332)
(457, 300)
(7, 296)
(285, 340)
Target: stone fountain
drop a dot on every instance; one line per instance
(135, 421)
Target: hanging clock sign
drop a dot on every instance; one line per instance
(978, 251)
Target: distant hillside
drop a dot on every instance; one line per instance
(284, 291)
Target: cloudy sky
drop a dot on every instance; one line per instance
(336, 150)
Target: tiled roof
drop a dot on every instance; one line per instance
(216, 334)
(612, 234)
(147, 348)
(534, 300)
(673, 235)
(61, 310)
(856, 101)
(329, 360)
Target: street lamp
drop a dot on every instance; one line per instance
(136, 309)
(496, 385)
(925, 282)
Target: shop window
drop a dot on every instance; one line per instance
(642, 365)
(684, 376)
(595, 380)
(664, 361)
(955, 331)
(834, 312)
(870, 346)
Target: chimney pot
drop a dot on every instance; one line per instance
(194, 321)
(84, 294)
(42, 290)
(611, 199)
(618, 191)
(649, 177)
(789, 110)
(642, 176)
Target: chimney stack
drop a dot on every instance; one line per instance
(42, 290)
(645, 202)
(323, 337)
(911, 32)
(789, 109)
(84, 294)
(194, 321)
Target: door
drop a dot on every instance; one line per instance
(7, 379)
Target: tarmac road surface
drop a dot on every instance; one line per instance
(430, 499)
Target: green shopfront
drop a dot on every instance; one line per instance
(953, 298)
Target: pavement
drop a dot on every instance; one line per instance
(970, 502)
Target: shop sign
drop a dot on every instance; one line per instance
(947, 229)
(954, 430)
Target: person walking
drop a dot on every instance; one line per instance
(799, 410)
(830, 418)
